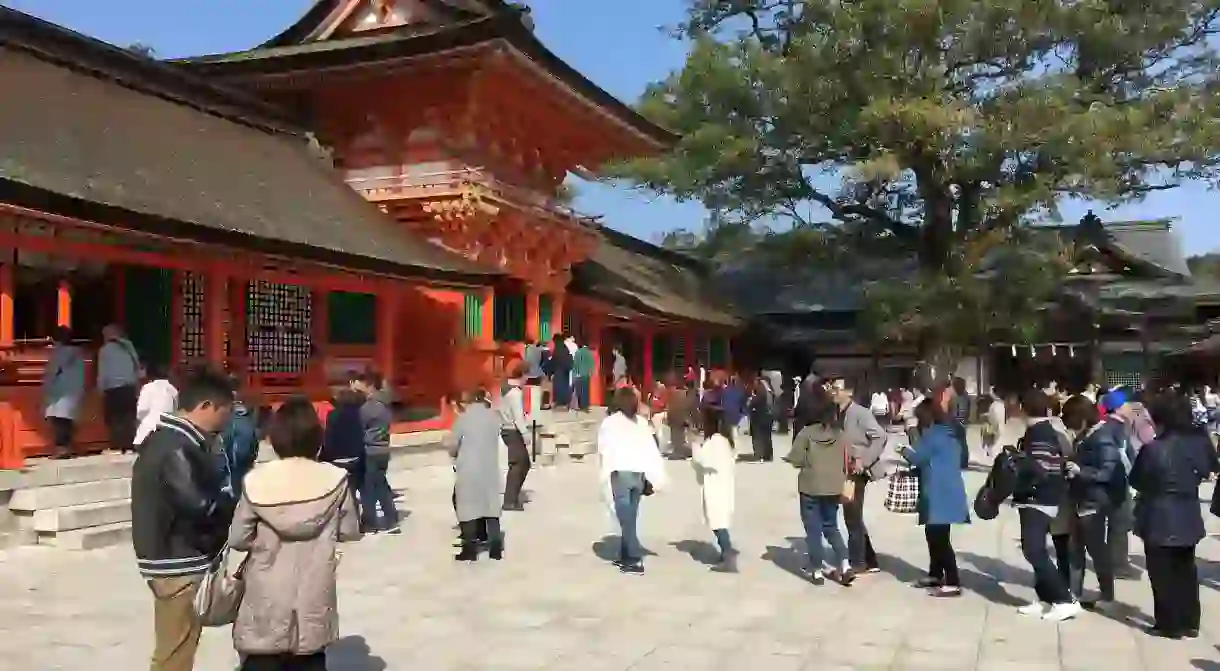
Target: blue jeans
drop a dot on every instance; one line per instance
(561, 385)
(627, 488)
(820, 516)
(376, 491)
(1049, 585)
(580, 386)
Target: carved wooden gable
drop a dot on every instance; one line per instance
(355, 16)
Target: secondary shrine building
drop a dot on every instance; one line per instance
(376, 186)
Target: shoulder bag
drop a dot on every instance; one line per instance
(220, 594)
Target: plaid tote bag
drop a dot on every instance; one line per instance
(903, 494)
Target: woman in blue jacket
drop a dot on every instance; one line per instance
(942, 491)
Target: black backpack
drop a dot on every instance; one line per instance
(1000, 484)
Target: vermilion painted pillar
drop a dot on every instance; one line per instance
(238, 356)
(63, 304)
(488, 314)
(10, 454)
(7, 283)
(597, 384)
(216, 299)
(387, 332)
(533, 323)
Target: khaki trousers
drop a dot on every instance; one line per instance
(176, 629)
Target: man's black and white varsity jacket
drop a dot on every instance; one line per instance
(179, 516)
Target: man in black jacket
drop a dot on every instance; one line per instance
(179, 515)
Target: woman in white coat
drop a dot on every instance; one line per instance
(714, 461)
(63, 386)
(631, 468)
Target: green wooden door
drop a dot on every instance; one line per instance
(148, 298)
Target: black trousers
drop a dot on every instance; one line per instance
(1093, 538)
(119, 413)
(314, 662)
(942, 561)
(518, 466)
(1175, 587)
(1048, 578)
(484, 529)
(859, 545)
(1063, 556)
(62, 430)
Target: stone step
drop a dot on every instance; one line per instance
(50, 472)
(89, 538)
(14, 538)
(70, 518)
(60, 496)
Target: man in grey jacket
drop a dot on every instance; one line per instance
(865, 443)
(376, 417)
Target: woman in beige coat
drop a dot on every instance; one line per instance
(292, 513)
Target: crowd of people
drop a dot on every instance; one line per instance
(1082, 470)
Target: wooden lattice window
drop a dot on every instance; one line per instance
(509, 318)
(680, 361)
(472, 315)
(351, 318)
(703, 352)
(192, 343)
(278, 327)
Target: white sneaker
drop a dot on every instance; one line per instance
(1063, 611)
(1036, 608)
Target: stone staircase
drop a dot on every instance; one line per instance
(566, 436)
(85, 503)
(78, 504)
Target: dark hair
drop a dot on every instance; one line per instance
(925, 412)
(204, 384)
(1035, 403)
(159, 371)
(1078, 413)
(296, 430)
(625, 401)
(477, 395)
(959, 386)
(366, 376)
(62, 335)
(1171, 413)
(817, 407)
(711, 421)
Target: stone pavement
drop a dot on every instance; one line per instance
(555, 602)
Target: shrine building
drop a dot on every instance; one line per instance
(376, 187)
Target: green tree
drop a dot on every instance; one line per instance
(933, 131)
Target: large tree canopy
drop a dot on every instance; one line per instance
(935, 128)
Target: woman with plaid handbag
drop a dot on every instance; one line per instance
(942, 500)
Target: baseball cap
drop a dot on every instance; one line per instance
(1113, 400)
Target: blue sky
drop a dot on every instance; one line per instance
(621, 45)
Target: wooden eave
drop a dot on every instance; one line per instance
(112, 217)
(379, 49)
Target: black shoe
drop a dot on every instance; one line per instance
(1161, 633)
(514, 507)
(1191, 634)
(634, 568)
(495, 550)
(846, 578)
(470, 552)
(1097, 604)
(927, 582)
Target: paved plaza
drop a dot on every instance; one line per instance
(556, 603)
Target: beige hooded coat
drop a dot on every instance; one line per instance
(291, 515)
